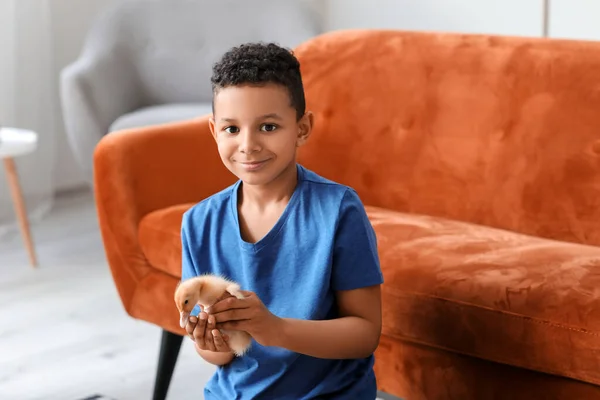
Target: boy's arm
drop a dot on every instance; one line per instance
(354, 335)
(356, 279)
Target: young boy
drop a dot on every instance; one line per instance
(300, 246)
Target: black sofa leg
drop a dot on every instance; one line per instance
(169, 351)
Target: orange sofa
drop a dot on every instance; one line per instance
(478, 158)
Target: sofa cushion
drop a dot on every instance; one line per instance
(488, 293)
(160, 114)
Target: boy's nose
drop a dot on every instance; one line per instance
(248, 142)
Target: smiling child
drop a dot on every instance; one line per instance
(300, 246)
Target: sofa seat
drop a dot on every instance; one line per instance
(468, 289)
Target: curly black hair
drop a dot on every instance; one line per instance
(259, 64)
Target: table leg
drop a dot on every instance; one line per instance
(19, 203)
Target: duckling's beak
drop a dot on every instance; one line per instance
(184, 318)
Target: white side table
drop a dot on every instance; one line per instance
(14, 143)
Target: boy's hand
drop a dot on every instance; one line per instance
(204, 334)
(248, 314)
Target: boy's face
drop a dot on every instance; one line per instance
(257, 132)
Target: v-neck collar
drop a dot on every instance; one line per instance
(274, 231)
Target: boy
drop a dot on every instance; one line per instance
(300, 246)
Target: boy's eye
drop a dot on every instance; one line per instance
(231, 129)
(268, 127)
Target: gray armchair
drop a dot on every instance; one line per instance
(149, 62)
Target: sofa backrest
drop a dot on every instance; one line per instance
(172, 44)
(499, 131)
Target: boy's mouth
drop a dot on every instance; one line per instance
(252, 165)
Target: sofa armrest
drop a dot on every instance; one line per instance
(94, 91)
(140, 170)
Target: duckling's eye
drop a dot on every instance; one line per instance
(185, 302)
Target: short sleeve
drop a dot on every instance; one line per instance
(188, 268)
(188, 265)
(355, 256)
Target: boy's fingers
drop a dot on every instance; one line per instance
(200, 327)
(227, 304)
(208, 337)
(210, 341)
(231, 315)
(218, 340)
(225, 295)
(190, 326)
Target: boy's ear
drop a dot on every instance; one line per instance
(305, 126)
(211, 125)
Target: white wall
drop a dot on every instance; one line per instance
(574, 19)
(507, 17)
(27, 87)
(7, 44)
(70, 21)
(568, 18)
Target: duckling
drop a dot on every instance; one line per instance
(206, 290)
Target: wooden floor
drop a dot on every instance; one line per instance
(63, 332)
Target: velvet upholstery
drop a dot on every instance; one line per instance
(502, 132)
(422, 372)
(478, 159)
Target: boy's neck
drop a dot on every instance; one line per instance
(277, 191)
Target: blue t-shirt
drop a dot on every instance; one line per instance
(322, 242)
